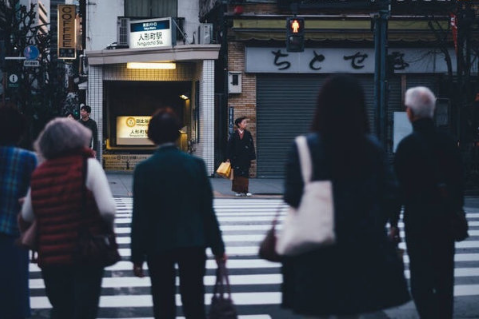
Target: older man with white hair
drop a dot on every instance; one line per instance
(428, 166)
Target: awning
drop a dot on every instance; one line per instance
(179, 53)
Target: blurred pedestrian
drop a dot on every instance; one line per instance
(173, 221)
(88, 122)
(69, 192)
(240, 153)
(16, 167)
(361, 272)
(428, 163)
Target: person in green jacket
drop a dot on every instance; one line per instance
(173, 221)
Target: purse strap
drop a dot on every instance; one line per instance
(222, 282)
(304, 158)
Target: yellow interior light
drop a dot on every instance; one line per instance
(151, 65)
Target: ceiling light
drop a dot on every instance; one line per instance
(151, 65)
(184, 97)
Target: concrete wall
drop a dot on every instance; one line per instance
(102, 23)
(189, 10)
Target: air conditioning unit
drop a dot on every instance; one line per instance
(234, 82)
(122, 32)
(205, 33)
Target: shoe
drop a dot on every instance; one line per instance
(238, 194)
(248, 194)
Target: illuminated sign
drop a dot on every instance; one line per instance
(66, 31)
(132, 130)
(152, 33)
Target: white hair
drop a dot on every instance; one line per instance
(60, 136)
(421, 101)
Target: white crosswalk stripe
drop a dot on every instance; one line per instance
(255, 282)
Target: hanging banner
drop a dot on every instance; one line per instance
(66, 31)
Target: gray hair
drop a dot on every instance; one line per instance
(421, 100)
(60, 136)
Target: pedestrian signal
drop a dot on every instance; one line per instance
(295, 34)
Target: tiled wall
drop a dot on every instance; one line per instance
(95, 100)
(205, 148)
(119, 72)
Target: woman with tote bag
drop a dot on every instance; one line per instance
(359, 271)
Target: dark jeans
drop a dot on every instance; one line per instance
(191, 266)
(73, 291)
(432, 275)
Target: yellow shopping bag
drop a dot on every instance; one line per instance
(224, 170)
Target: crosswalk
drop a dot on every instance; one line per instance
(255, 282)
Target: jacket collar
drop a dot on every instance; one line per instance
(166, 147)
(423, 125)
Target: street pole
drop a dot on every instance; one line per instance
(380, 77)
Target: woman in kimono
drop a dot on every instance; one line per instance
(240, 153)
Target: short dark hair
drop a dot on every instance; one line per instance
(164, 126)
(87, 108)
(12, 124)
(239, 120)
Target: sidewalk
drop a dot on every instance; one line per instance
(121, 184)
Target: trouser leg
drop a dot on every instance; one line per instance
(163, 289)
(59, 290)
(87, 290)
(421, 278)
(443, 273)
(191, 265)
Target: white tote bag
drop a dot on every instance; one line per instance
(311, 225)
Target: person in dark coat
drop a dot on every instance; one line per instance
(173, 221)
(425, 159)
(240, 153)
(361, 272)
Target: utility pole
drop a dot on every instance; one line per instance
(381, 87)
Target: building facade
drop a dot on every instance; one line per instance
(277, 89)
(143, 55)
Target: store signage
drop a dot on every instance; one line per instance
(152, 33)
(66, 31)
(31, 63)
(132, 130)
(348, 60)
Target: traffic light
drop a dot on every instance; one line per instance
(295, 34)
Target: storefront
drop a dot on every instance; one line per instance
(126, 86)
(286, 86)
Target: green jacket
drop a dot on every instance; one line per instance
(173, 206)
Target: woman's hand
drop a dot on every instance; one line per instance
(221, 259)
(138, 270)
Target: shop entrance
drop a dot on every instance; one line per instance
(139, 100)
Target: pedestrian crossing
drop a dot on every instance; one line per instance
(255, 282)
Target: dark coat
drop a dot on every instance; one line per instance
(241, 152)
(422, 159)
(173, 206)
(361, 272)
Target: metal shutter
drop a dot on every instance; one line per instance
(285, 109)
